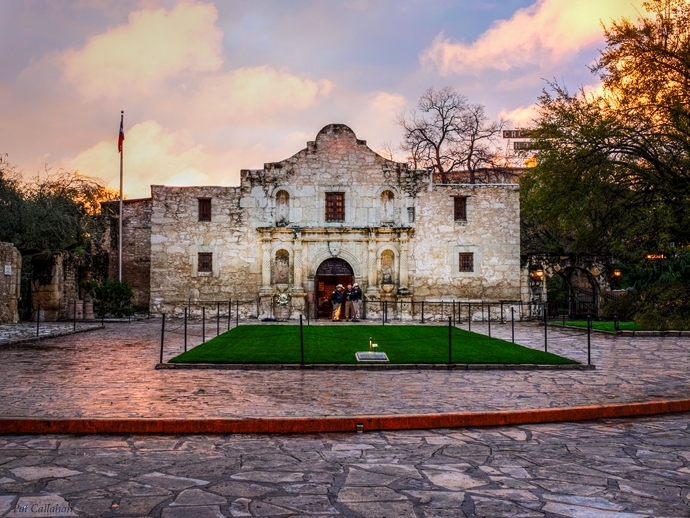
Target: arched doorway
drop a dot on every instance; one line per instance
(329, 274)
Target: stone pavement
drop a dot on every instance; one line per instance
(609, 468)
(606, 468)
(26, 331)
(110, 373)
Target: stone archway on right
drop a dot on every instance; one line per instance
(572, 285)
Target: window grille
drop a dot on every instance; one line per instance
(205, 262)
(460, 208)
(466, 262)
(204, 209)
(335, 206)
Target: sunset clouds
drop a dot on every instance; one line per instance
(542, 34)
(153, 46)
(209, 88)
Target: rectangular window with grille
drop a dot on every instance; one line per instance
(466, 262)
(204, 209)
(335, 206)
(205, 262)
(460, 208)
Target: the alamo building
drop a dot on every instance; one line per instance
(334, 213)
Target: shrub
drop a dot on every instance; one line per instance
(110, 297)
(665, 305)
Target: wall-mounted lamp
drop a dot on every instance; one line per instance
(537, 274)
(616, 273)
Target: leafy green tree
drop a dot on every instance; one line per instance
(613, 169)
(53, 211)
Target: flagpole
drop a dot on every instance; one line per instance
(119, 233)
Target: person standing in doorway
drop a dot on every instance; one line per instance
(348, 302)
(337, 301)
(356, 300)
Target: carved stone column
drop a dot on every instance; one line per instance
(266, 291)
(403, 265)
(297, 265)
(371, 265)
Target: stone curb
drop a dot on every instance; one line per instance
(374, 366)
(31, 426)
(52, 335)
(628, 333)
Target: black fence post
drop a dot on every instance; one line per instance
(512, 323)
(217, 318)
(422, 312)
(450, 341)
(383, 312)
(469, 316)
(301, 338)
(203, 324)
(489, 311)
(74, 327)
(546, 325)
(38, 319)
(162, 337)
(615, 322)
(237, 313)
(185, 328)
(589, 333)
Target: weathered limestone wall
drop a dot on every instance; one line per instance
(136, 247)
(269, 236)
(11, 271)
(177, 237)
(491, 232)
(55, 283)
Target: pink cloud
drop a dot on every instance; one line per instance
(542, 34)
(154, 45)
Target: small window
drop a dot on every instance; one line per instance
(460, 208)
(204, 209)
(335, 206)
(466, 262)
(205, 262)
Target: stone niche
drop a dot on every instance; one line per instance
(11, 269)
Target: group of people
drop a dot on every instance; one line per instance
(350, 299)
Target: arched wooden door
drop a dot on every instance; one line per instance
(329, 274)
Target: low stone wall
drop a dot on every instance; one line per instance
(11, 270)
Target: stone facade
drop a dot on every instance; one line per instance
(136, 247)
(10, 286)
(334, 212)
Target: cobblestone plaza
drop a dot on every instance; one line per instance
(624, 467)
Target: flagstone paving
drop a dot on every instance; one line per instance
(110, 373)
(610, 468)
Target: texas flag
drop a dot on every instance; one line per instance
(121, 138)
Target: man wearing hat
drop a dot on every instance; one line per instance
(356, 300)
(337, 301)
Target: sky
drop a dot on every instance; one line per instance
(210, 88)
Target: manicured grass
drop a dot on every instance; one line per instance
(600, 326)
(339, 343)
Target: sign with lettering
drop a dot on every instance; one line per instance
(520, 133)
(8, 269)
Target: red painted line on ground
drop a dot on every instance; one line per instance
(31, 426)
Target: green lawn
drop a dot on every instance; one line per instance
(339, 343)
(600, 326)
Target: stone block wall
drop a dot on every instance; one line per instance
(136, 247)
(491, 233)
(178, 237)
(11, 271)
